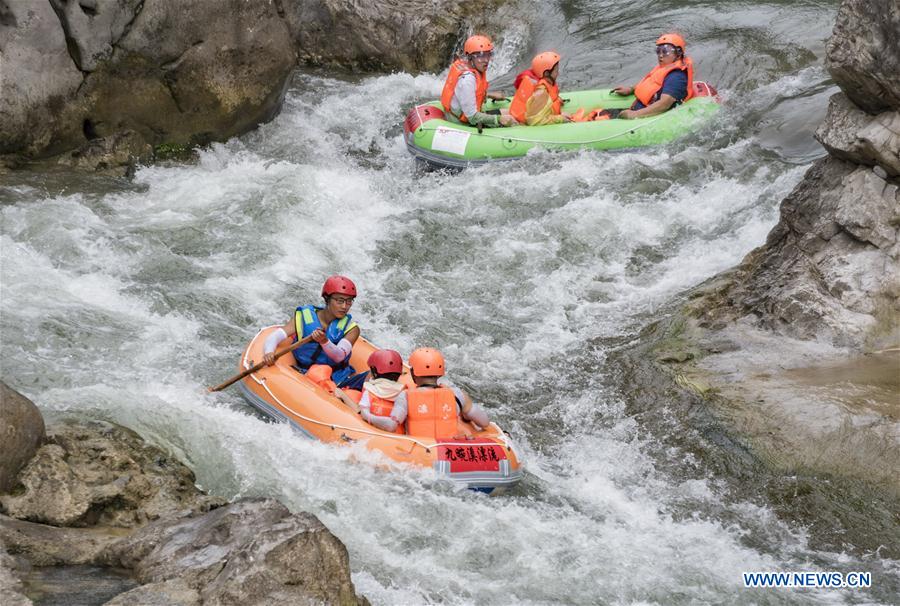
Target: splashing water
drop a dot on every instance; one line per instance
(123, 300)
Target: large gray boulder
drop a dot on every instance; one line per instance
(851, 134)
(173, 72)
(407, 35)
(192, 72)
(250, 552)
(830, 269)
(863, 55)
(21, 433)
(100, 473)
(132, 507)
(37, 81)
(75, 72)
(93, 27)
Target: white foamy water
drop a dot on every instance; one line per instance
(124, 302)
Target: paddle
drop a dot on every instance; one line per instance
(256, 367)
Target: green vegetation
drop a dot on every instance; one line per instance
(173, 151)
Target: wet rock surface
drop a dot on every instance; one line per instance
(112, 79)
(38, 81)
(387, 35)
(851, 134)
(96, 501)
(248, 552)
(11, 587)
(118, 152)
(810, 431)
(172, 72)
(44, 545)
(57, 585)
(863, 55)
(100, 473)
(782, 373)
(21, 433)
(829, 269)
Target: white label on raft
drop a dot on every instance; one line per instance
(450, 140)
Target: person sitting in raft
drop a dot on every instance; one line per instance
(537, 101)
(466, 86)
(377, 403)
(433, 407)
(333, 334)
(669, 83)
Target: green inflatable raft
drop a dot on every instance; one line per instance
(443, 143)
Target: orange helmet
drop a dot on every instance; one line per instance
(477, 44)
(673, 39)
(544, 63)
(427, 362)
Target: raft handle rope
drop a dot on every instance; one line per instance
(554, 143)
(261, 381)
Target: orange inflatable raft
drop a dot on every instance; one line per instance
(482, 460)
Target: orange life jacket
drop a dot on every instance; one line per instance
(458, 68)
(524, 92)
(432, 412)
(653, 82)
(382, 407)
(525, 73)
(320, 374)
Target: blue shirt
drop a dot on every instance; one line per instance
(675, 85)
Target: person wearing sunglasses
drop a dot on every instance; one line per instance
(669, 83)
(333, 334)
(466, 87)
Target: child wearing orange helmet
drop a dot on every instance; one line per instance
(434, 405)
(537, 99)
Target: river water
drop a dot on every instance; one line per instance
(124, 299)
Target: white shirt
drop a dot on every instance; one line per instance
(463, 101)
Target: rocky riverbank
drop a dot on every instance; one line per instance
(100, 85)
(92, 500)
(791, 361)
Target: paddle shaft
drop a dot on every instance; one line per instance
(256, 367)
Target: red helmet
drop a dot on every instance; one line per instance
(385, 361)
(339, 285)
(478, 44)
(544, 63)
(427, 362)
(673, 39)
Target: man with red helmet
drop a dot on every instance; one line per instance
(466, 86)
(537, 100)
(433, 407)
(669, 83)
(333, 333)
(377, 402)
